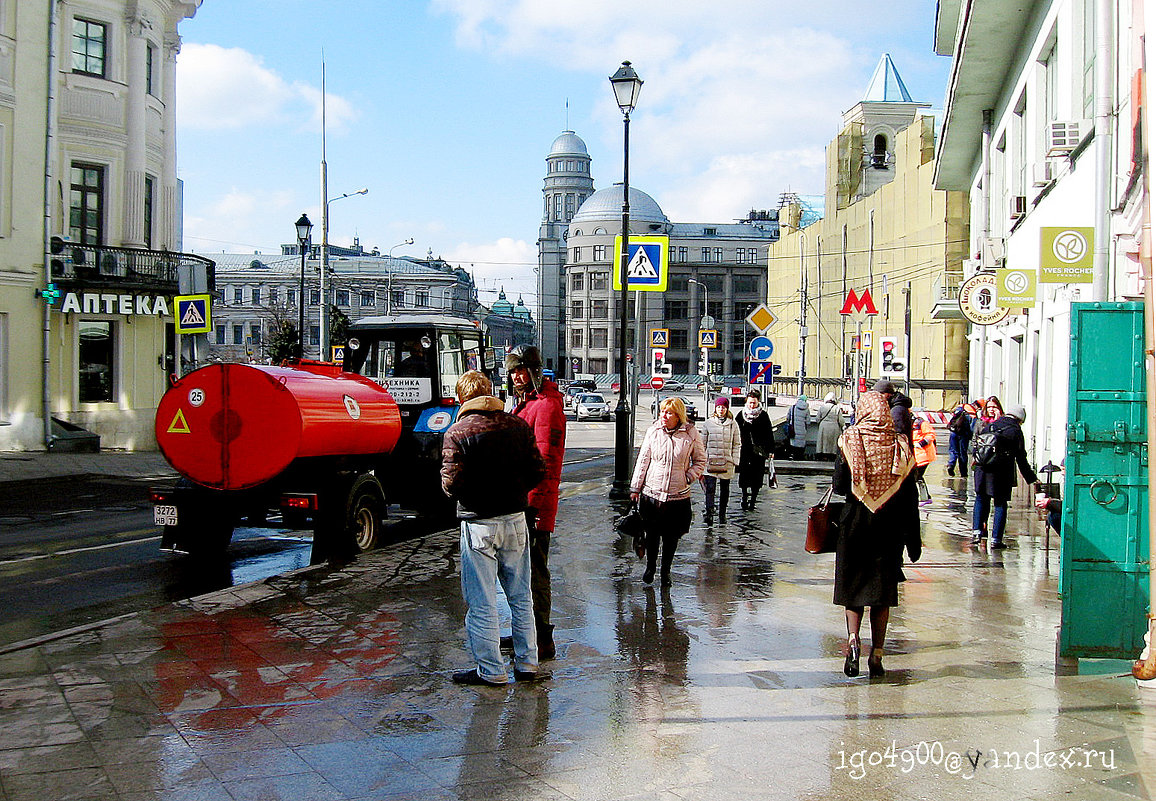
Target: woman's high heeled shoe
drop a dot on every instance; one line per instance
(851, 663)
(875, 663)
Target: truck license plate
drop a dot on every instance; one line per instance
(164, 515)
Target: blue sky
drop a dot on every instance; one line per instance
(445, 111)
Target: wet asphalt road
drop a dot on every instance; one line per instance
(82, 549)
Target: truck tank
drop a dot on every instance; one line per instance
(237, 426)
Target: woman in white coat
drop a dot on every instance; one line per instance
(720, 434)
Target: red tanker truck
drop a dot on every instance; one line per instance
(315, 444)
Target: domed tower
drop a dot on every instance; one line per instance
(566, 187)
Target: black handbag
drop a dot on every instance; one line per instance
(630, 524)
(823, 524)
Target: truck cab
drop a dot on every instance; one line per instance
(419, 359)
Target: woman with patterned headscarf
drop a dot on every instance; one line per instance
(873, 470)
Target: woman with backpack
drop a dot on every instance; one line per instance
(997, 449)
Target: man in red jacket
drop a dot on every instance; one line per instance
(539, 403)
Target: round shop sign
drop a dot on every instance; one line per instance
(977, 300)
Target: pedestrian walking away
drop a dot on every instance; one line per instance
(831, 425)
(880, 517)
(757, 442)
(797, 419)
(959, 429)
(491, 505)
(672, 458)
(539, 403)
(900, 406)
(723, 442)
(925, 453)
(997, 450)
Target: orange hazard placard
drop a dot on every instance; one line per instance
(179, 425)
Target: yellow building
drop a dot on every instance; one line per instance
(886, 232)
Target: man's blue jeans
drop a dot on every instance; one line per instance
(496, 549)
(979, 516)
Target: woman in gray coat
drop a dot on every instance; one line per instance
(831, 425)
(797, 419)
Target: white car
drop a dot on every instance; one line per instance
(591, 407)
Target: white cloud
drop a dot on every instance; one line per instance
(739, 98)
(224, 88)
(505, 263)
(240, 221)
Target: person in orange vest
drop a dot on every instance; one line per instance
(923, 436)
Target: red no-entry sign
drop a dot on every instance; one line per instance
(657, 382)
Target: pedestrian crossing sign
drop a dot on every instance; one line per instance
(708, 338)
(646, 269)
(193, 314)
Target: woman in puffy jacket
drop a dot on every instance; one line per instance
(720, 435)
(672, 458)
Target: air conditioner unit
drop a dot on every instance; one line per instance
(1019, 206)
(991, 252)
(1043, 173)
(1064, 136)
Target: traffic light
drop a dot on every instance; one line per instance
(704, 363)
(891, 364)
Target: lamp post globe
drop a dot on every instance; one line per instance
(626, 85)
(304, 227)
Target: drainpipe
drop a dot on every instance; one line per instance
(1104, 71)
(49, 138)
(1144, 669)
(984, 235)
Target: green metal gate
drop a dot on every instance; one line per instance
(1104, 572)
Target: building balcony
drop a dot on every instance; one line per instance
(125, 269)
(945, 296)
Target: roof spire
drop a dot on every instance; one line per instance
(886, 85)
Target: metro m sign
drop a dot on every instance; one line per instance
(859, 307)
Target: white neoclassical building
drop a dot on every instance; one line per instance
(89, 225)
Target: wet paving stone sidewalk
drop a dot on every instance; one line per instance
(335, 683)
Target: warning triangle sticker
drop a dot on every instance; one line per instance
(179, 425)
(641, 266)
(192, 316)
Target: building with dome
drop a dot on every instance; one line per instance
(578, 314)
(566, 187)
(507, 324)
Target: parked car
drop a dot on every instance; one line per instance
(691, 409)
(673, 386)
(591, 407)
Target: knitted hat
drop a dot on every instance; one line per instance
(1018, 412)
(722, 402)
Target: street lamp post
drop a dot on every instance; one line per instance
(389, 276)
(322, 314)
(626, 85)
(304, 227)
(704, 322)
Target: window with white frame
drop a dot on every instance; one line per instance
(343, 297)
(600, 253)
(368, 298)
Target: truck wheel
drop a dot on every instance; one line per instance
(365, 514)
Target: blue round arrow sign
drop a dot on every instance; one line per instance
(761, 349)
